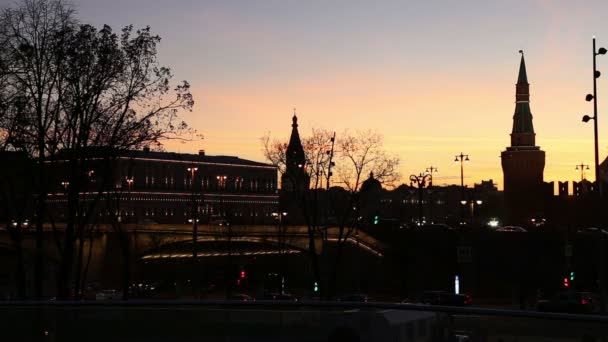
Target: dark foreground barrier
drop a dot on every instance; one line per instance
(285, 321)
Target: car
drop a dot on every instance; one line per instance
(592, 230)
(568, 302)
(360, 298)
(432, 228)
(512, 229)
(444, 298)
(281, 296)
(108, 295)
(242, 297)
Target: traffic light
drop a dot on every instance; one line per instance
(566, 282)
(376, 219)
(571, 275)
(315, 287)
(243, 274)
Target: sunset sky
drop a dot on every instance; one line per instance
(436, 78)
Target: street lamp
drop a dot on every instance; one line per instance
(586, 118)
(471, 204)
(582, 168)
(431, 170)
(462, 158)
(221, 181)
(194, 221)
(129, 181)
(282, 235)
(423, 180)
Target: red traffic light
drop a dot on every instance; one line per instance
(243, 274)
(566, 282)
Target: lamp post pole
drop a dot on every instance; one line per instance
(595, 134)
(462, 158)
(586, 118)
(431, 170)
(423, 180)
(282, 236)
(194, 214)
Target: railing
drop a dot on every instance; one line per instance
(284, 321)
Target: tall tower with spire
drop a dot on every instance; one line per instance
(295, 176)
(523, 162)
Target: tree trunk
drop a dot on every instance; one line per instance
(333, 273)
(126, 270)
(85, 271)
(21, 295)
(38, 260)
(79, 279)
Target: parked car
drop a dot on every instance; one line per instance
(442, 298)
(569, 302)
(512, 229)
(108, 295)
(592, 230)
(242, 297)
(361, 298)
(281, 296)
(433, 228)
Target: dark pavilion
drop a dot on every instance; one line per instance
(523, 162)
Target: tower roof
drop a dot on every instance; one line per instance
(295, 151)
(523, 129)
(523, 76)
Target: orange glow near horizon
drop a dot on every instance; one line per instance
(435, 78)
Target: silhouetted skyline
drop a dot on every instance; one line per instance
(434, 78)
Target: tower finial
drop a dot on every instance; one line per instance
(294, 119)
(523, 76)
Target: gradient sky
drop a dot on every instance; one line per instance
(435, 77)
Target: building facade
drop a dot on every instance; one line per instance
(523, 162)
(164, 187)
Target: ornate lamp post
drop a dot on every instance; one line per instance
(194, 221)
(462, 158)
(586, 118)
(582, 168)
(282, 235)
(431, 170)
(422, 181)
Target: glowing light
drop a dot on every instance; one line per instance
(456, 284)
(493, 223)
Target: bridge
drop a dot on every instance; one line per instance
(155, 247)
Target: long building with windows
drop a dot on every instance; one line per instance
(166, 187)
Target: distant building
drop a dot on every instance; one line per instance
(523, 162)
(161, 187)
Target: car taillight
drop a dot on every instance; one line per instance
(584, 301)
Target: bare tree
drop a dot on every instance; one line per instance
(116, 98)
(357, 154)
(71, 93)
(29, 37)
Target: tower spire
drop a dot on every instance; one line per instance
(523, 76)
(523, 129)
(295, 175)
